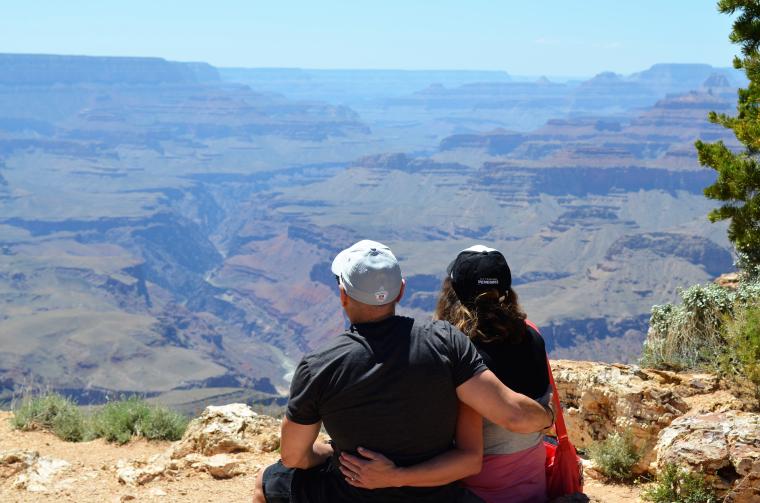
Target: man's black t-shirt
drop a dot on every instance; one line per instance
(389, 387)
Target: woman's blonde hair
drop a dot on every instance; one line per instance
(489, 318)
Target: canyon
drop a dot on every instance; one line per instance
(166, 228)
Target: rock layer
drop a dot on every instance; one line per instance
(724, 446)
(600, 399)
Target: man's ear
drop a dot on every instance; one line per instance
(401, 291)
(343, 296)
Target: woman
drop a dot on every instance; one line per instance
(477, 297)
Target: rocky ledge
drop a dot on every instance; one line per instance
(693, 420)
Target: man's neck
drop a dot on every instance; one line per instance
(371, 317)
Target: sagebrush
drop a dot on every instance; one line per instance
(52, 412)
(615, 456)
(692, 334)
(676, 485)
(117, 421)
(123, 419)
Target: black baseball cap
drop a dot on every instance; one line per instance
(479, 269)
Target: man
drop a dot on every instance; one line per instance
(389, 384)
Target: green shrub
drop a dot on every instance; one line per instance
(743, 337)
(123, 419)
(72, 425)
(52, 412)
(675, 485)
(690, 335)
(163, 424)
(615, 456)
(117, 421)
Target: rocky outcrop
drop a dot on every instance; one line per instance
(600, 399)
(693, 420)
(724, 446)
(211, 444)
(32, 472)
(728, 280)
(228, 429)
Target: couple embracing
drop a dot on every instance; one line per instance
(449, 410)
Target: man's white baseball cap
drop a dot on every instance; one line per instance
(369, 272)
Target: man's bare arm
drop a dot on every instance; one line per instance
(297, 447)
(495, 401)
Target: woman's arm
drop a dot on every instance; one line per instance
(511, 410)
(466, 458)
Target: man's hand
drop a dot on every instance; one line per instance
(372, 472)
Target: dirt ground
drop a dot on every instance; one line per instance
(92, 476)
(95, 480)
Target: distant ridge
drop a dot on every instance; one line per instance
(386, 72)
(673, 77)
(48, 69)
(351, 86)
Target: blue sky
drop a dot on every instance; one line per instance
(552, 37)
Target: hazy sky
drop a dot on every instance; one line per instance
(553, 37)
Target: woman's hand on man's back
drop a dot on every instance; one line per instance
(371, 471)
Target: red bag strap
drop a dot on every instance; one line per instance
(559, 419)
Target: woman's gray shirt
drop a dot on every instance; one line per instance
(497, 440)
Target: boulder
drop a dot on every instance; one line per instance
(162, 466)
(208, 445)
(137, 473)
(724, 446)
(40, 476)
(223, 466)
(728, 280)
(33, 472)
(228, 429)
(600, 399)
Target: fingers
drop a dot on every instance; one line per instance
(353, 478)
(348, 473)
(352, 462)
(358, 483)
(370, 454)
